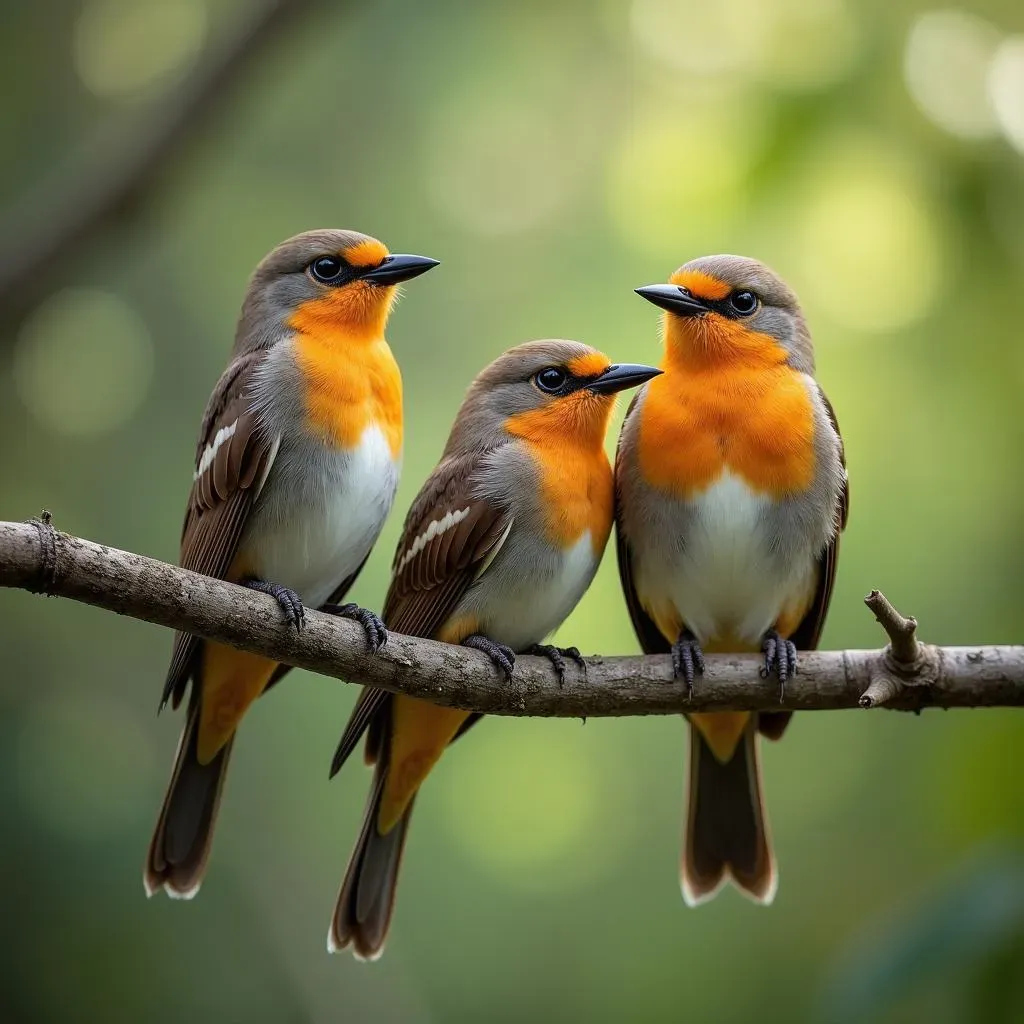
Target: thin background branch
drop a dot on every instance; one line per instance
(65, 212)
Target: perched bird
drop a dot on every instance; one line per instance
(499, 546)
(730, 495)
(295, 472)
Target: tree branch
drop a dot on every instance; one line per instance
(36, 557)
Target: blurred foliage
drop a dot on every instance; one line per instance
(961, 946)
(553, 156)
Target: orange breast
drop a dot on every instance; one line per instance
(567, 440)
(350, 384)
(752, 416)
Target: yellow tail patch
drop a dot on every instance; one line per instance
(419, 734)
(722, 731)
(232, 680)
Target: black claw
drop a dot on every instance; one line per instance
(780, 657)
(557, 656)
(504, 658)
(290, 602)
(687, 659)
(574, 654)
(554, 655)
(793, 668)
(376, 631)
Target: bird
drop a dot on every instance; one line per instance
(295, 472)
(499, 546)
(731, 494)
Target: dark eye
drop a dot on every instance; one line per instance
(551, 379)
(326, 269)
(743, 302)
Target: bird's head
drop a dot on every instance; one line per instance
(731, 307)
(335, 281)
(549, 391)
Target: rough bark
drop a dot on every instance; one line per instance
(905, 675)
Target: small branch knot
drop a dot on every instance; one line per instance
(904, 664)
(901, 630)
(882, 689)
(48, 561)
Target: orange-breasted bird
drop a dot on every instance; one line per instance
(295, 471)
(731, 492)
(499, 546)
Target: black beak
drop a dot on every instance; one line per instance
(622, 376)
(398, 268)
(673, 298)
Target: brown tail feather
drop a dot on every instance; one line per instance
(184, 831)
(367, 897)
(726, 832)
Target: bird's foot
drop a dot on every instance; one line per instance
(780, 658)
(376, 631)
(290, 602)
(557, 656)
(687, 659)
(504, 658)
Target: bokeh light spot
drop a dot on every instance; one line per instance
(500, 165)
(872, 254)
(669, 187)
(84, 766)
(1006, 87)
(526, 809)
(702, 38)
(813, 44)
(792, 43)
(122, 46)
(83, 362)
(945, 65)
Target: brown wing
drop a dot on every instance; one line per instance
(233, 458)
(437, 559)
(808, 633)
(650, 637)
(651, 640)
(448, 539)
(369, 710)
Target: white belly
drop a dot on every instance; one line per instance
(320, 513)
(520, 608)
(723, 579)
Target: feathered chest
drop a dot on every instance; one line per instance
(576, 493)
(348, 388)
(757, 422)
(320, 512)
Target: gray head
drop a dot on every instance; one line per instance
(545, 390)
(327, 279)
(725, 303)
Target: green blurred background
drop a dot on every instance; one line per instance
(553, 156)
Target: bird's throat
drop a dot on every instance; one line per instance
(348, 386)
(712, 341)
(748, 416)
